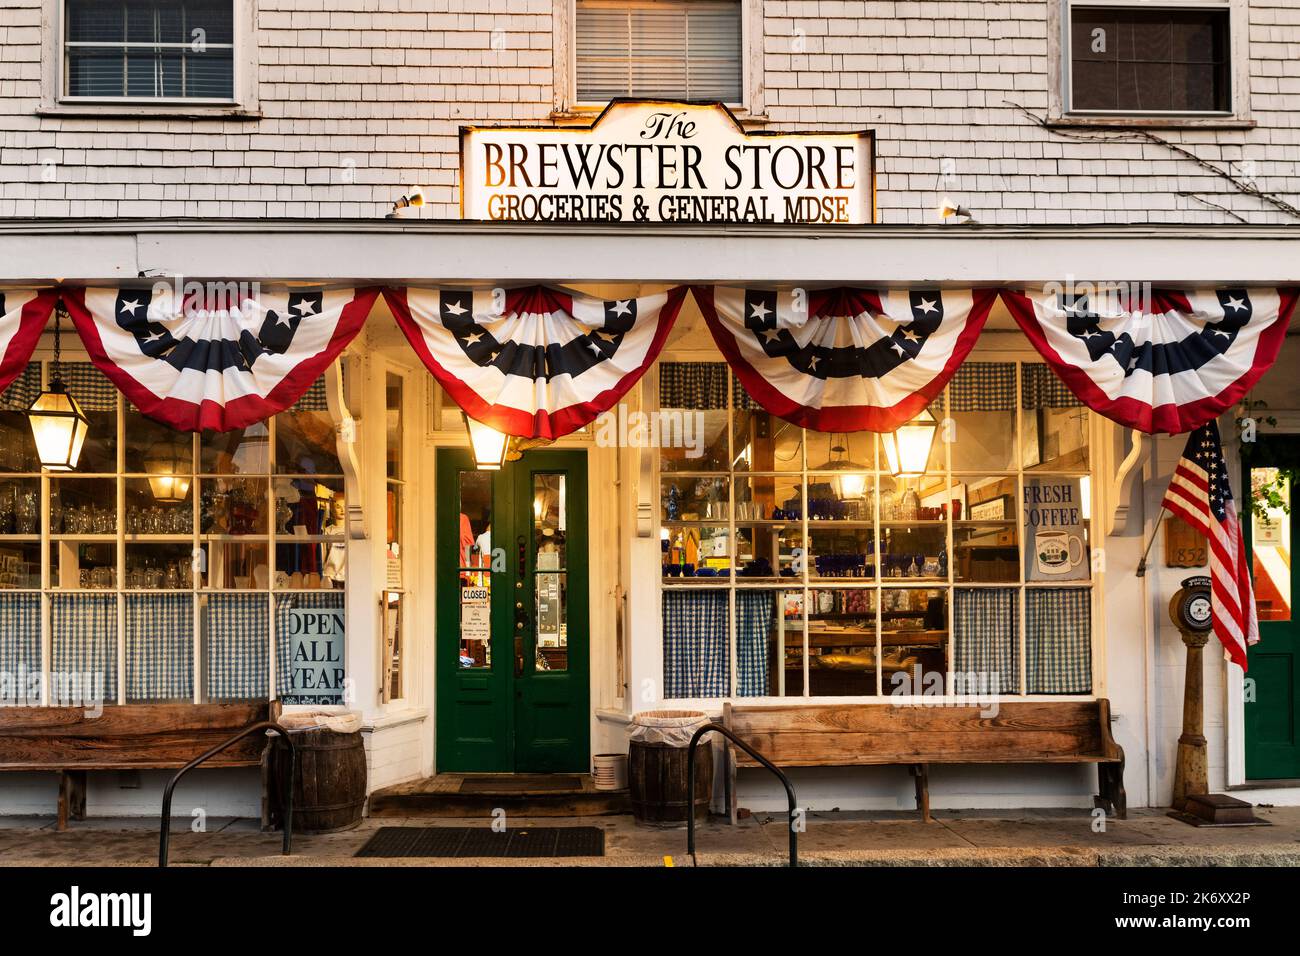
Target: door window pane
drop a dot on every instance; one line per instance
(475, 557)
(549, 584)
(1270, 543)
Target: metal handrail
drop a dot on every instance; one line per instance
(690, 787)
(164, 833)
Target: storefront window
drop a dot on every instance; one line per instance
(795, 564)
(169, 565)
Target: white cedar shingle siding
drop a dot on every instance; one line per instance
(361, 98)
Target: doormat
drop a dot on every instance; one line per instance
(512, 843)
(520, 784)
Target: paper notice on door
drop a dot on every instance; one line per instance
(475, 614)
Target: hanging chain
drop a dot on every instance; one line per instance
(59, 313)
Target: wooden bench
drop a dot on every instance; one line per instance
(863, 735)
(128, 737)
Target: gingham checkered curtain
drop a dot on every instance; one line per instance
(985, 625)
(159, 647)
(84, 636)
(1058, 640)
(696, 644)
(983, 387)
(700, 386)
(89, 386)
(754, 615)
(1040, 388)
(313, 400)
(283, 664)
(22, 391)
(20, 636)
(237, 628)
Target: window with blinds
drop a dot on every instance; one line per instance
(149, 49)
(672, 49)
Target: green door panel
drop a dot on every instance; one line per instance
(526, 709)
(1272, 707)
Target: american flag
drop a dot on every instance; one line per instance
(1200, 495)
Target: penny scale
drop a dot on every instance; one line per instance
(1192, 612)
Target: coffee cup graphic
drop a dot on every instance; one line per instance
(1057, 552)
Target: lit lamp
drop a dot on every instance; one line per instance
(489, 445)
(166, 466)
(907, 448)
(851, 486)
(59, 426)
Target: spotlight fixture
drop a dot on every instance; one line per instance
(413, 199)
(949, 207)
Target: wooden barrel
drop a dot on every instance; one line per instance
(330, 790)
(657, 782)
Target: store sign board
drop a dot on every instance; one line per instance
(654, 161)
(315, 654)
(1054, 532)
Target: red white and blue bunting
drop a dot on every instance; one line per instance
(845, 359)
(23, 314)
(1176, 362)
(535, 362)
(196, 364)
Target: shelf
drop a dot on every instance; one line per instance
(84, 537)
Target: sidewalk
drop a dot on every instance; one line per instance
(956, 838)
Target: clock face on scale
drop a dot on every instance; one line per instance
(1195, 611)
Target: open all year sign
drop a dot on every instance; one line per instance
(649, 161)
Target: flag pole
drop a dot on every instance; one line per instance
(1142, 565)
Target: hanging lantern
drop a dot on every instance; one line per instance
(852, 486)
(167, 464)
(907, 449)
(489, 445)
(59, 426)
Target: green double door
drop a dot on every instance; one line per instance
(1273, 699)
(512, 637)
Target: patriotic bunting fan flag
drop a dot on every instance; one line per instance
(844, 359)
(536, 362)
(216, 359)
(23, 314)
(1199, 494)
(1168, 364)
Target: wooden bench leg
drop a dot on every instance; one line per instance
(1110, 787)
(922, 774)
(729, 782)
(72, 797)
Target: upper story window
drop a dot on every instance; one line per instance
(1133, 59)
(670, 49)
(149, 50)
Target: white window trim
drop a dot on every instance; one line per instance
(565, 104)
(1058, 66)
(244, 104)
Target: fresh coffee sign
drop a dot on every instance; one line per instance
(665, 162)
(1055, 548)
